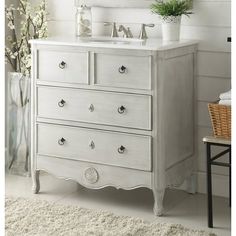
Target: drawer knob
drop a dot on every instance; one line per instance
(122, 69)
(61, 141)
(121, 149)
(121, 109)
(91, 108)
(61, 103)
(62, 65)
(92, 145)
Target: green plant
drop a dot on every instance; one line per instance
(166, 8)
(33, 25)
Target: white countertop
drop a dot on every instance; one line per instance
(153, 44)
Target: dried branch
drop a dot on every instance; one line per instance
(33, 26)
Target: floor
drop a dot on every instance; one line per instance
(180, 207)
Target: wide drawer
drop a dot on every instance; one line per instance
(117, 109)
(60, 66)
(123, 71)
(104, 147)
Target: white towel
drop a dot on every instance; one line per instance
(226, 95)
(225, 102)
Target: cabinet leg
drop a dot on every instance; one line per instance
(192, 184)
(158, 204)
(36, 183)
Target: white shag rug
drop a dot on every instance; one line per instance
(25, 217)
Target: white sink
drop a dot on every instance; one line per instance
(110, 40)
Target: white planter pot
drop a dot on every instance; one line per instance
(171, 28)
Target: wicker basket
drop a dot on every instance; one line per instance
(220, 119)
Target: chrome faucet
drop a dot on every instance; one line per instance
(127, 32)
(114, 32)
(143, 33)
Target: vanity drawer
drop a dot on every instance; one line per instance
(104, 147)
(123, 71)
(60, 66)
(117, 109)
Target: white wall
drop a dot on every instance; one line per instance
(210, 24)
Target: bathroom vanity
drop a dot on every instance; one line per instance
(114, 112)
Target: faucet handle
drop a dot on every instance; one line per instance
(143, 33)
(114, 32)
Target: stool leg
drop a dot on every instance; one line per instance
(230, 177)
(209, 186)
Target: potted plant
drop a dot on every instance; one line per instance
(24, 23)
(171, 12)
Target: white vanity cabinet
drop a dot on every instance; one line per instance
(117, 115)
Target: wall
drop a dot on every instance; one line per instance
(210, 24)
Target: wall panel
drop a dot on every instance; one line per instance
(217, 86)
(216, 64)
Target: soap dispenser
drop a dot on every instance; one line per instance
(83, 21)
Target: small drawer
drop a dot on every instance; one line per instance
(104, 147)
(67, 67)
(123, 71)
(108, 108)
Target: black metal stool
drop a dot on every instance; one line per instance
(212, 141)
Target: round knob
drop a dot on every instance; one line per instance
(61, 141)
(122, 69)
(121, 149)
(62, 65)
(121, 109)
(91, 108)
(61, 103)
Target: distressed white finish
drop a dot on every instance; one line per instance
(107, 71)
(107, 175)
(212, 38)
(154, 154)
(97, 107)
(95, 146)
(71, 72)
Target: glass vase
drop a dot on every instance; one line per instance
(18, 126)
(83, 21)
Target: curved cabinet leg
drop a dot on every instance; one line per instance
(36, 183)
(158, 204)
(192, 184)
